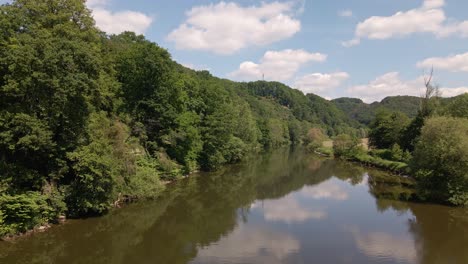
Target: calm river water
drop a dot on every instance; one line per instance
(281, 207)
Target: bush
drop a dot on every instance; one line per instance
(92, 189)
(393, 154)
(325, 151)
(314, 139)
(346, 146)
(20, 213)
(440, 160)
(145, 183)
(235, 150)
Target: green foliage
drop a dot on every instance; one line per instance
(22, 212)
(458, 107)
(314, 139)
(368, 160)
(440, 160)
(346, 146)
(364, 113)
(410, 135)
(386, 129)
(393, 154)
(93, 186)
(325, 151)
(145, 183)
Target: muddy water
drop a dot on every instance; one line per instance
(282, 207)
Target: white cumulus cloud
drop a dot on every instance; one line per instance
(276, 65)
(118, 22)
(390, 84)
(454, 63)
(451, 92)
(225, 28)
(321, 83)
(428, 18)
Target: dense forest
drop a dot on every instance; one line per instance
(89, 120)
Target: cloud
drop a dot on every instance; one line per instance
(250, 245)
(451, 92)
(276, 65)
(390, 84)
(429, 18)
(455, 63)
(429, 4)
(225, 28)
(326, 190)
(118, 22)
(320, 83)
(345, 13)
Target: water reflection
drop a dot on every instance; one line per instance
(326, 190)
(385, 246)
(288, 210)
(250, 244)
(281, 207)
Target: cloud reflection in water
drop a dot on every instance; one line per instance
(247, 244)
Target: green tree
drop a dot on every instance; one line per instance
(458, 107)
(386, 129)
(52, 78)
(440, 160)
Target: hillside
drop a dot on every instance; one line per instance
(364, 113)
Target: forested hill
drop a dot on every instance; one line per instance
(364, 113)
(88, 119)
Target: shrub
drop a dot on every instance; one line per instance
(440, 160)
(145, 183)
(345, 145)
(20, 213)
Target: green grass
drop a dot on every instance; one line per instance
(325, 151)
(368, 160)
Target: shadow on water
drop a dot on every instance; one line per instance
(280, 207)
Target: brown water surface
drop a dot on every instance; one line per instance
(281, 207)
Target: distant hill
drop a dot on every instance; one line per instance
(364, 113)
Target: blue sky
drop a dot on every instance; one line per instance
(357, 48)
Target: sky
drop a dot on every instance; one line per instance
(367, 49)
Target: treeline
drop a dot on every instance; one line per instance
(364, 113)
(434, 144)
(88, 120)
(432, 147)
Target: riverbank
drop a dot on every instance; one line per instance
(119, 203)
(361, 154)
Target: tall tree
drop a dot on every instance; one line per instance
(51, 76)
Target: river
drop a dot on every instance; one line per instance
(281, 207)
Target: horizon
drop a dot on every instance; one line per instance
(358, 49)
